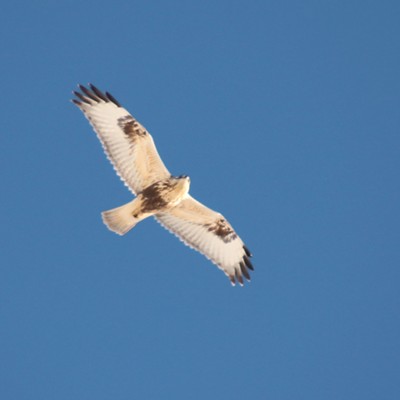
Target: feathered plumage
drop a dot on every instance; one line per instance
(131, 150)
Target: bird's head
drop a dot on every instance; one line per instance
(183, 177)
(183, 182)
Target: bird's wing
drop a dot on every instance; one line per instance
(211, 234)
(127, 144)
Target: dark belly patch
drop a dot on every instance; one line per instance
(154, 196)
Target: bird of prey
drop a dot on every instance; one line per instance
(131, 150)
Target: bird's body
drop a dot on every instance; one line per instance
(159, 197)
(131, 150)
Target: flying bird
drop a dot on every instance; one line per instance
(131, 150)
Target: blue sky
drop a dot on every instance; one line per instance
(285, 114)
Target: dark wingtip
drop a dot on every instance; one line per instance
(247, 251)
(93, 94)
(76, 102)
(98, 93)
(110, 97)
(82, 98)
(244, 271)
(239, 277)
(90, 94)
(248, 263)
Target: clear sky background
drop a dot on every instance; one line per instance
(285, 114)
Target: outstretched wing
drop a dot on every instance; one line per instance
(211, 234)
(127, 144)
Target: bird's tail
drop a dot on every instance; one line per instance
(121, 219)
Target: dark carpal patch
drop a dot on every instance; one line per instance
(131, 127)
(222, 230)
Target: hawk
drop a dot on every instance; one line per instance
(131, 150)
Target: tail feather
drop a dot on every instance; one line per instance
(120, 220)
